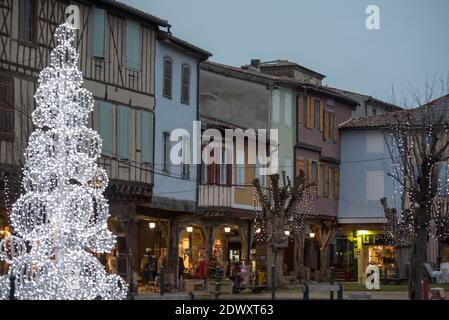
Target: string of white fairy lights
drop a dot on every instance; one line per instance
(60, 220)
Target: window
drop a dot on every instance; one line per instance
(6, 108)
(330, 102)
(375, 185)
(288, 110)
(316, 112)
(240, 170)
(204, 173)
(27, 20)
(105, 127)
(330, 172)
(306, 114)
(331, 128)
(146, 137)
(98, 32)
(322, 179)
(314, 172)
(185, 86)
(442, 179)
(166, 151)
(185, 168)
(223, 167)
(374, 141)
(276, 105)
(132, 45)
(123, 132)
(326, 174)
(168, 74)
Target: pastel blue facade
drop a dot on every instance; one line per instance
(171, 113)
(364, 178)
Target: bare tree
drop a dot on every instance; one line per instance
(283, 210)
(418, 143)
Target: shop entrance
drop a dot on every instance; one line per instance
(383, 257)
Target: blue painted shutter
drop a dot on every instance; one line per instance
(105, 127)
(132, 45)
(146, 130)
(123, 131)
(98, 32)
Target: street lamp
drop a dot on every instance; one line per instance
(287, 232)
(312, 235)
(227, 229)
(189, 229)
(152, 225)
(258, 230)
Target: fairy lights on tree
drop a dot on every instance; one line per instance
(60, 220)
(418, 143)
(279, 214)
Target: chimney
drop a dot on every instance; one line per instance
(255, 63)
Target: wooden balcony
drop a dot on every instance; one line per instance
(128, 180)
(215, 197)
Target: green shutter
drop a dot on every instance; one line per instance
(123, 128)
(105, 127)
(146, 130)
(132, 45)
(98, 32)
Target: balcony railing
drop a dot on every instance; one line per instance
(215, 196)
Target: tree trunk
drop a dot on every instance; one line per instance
(323, 264)
(418, 257)
(276, 258)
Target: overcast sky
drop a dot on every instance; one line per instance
(328, 36)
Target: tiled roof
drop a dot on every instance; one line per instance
(439, 105)
(139, 13)
(261, 77)
(166, 36)
(356, 95)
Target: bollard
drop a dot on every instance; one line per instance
(217, 283)
(425, 288)
(161, 283)
(331, 295)
(273, 282)
(12, 287)
(340, 292)
(305, 291)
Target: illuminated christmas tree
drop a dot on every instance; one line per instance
(60, 220)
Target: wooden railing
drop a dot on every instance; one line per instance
(215, 196)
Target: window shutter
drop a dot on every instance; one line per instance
(98, 32)
(167, 81)
(309, 171)
(132, 45)
(105, 127)
(335, 133)
(336, 179)
(211, 170)
(123, 118)
(185, 84)
(318, 179)
(321, 115)
(146, 138)
(326, 181)
(299, 166)
(217, 173)
(309, 112)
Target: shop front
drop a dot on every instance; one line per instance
(369, 247)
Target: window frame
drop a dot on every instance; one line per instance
(33, 29)
(184, 100)
(169, 60)
(9, 107)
